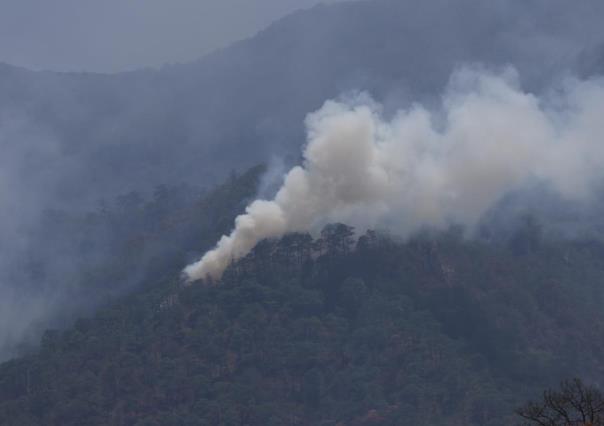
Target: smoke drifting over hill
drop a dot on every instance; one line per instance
(77, 143)
(425, 168)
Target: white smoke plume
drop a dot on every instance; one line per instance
(429, 169)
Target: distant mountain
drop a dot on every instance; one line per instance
(243, 104)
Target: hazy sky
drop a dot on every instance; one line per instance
(114, 35)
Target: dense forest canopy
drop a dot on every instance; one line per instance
(71, 139)
(322, 330)
(110, 185)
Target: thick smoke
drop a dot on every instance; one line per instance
(426, 168)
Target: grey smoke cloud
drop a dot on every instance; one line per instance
(425, 168)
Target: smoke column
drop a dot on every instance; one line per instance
(429, 168)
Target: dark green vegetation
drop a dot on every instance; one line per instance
(432, 331)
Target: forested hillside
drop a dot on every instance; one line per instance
(70, 139)
(77, 261)
(435, 330)
(108, 190)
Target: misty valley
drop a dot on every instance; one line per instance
(370, 212)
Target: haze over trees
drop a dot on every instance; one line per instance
(111, 184)
(435, 330)
(83, 137)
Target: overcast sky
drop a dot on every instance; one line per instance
(116, 35)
